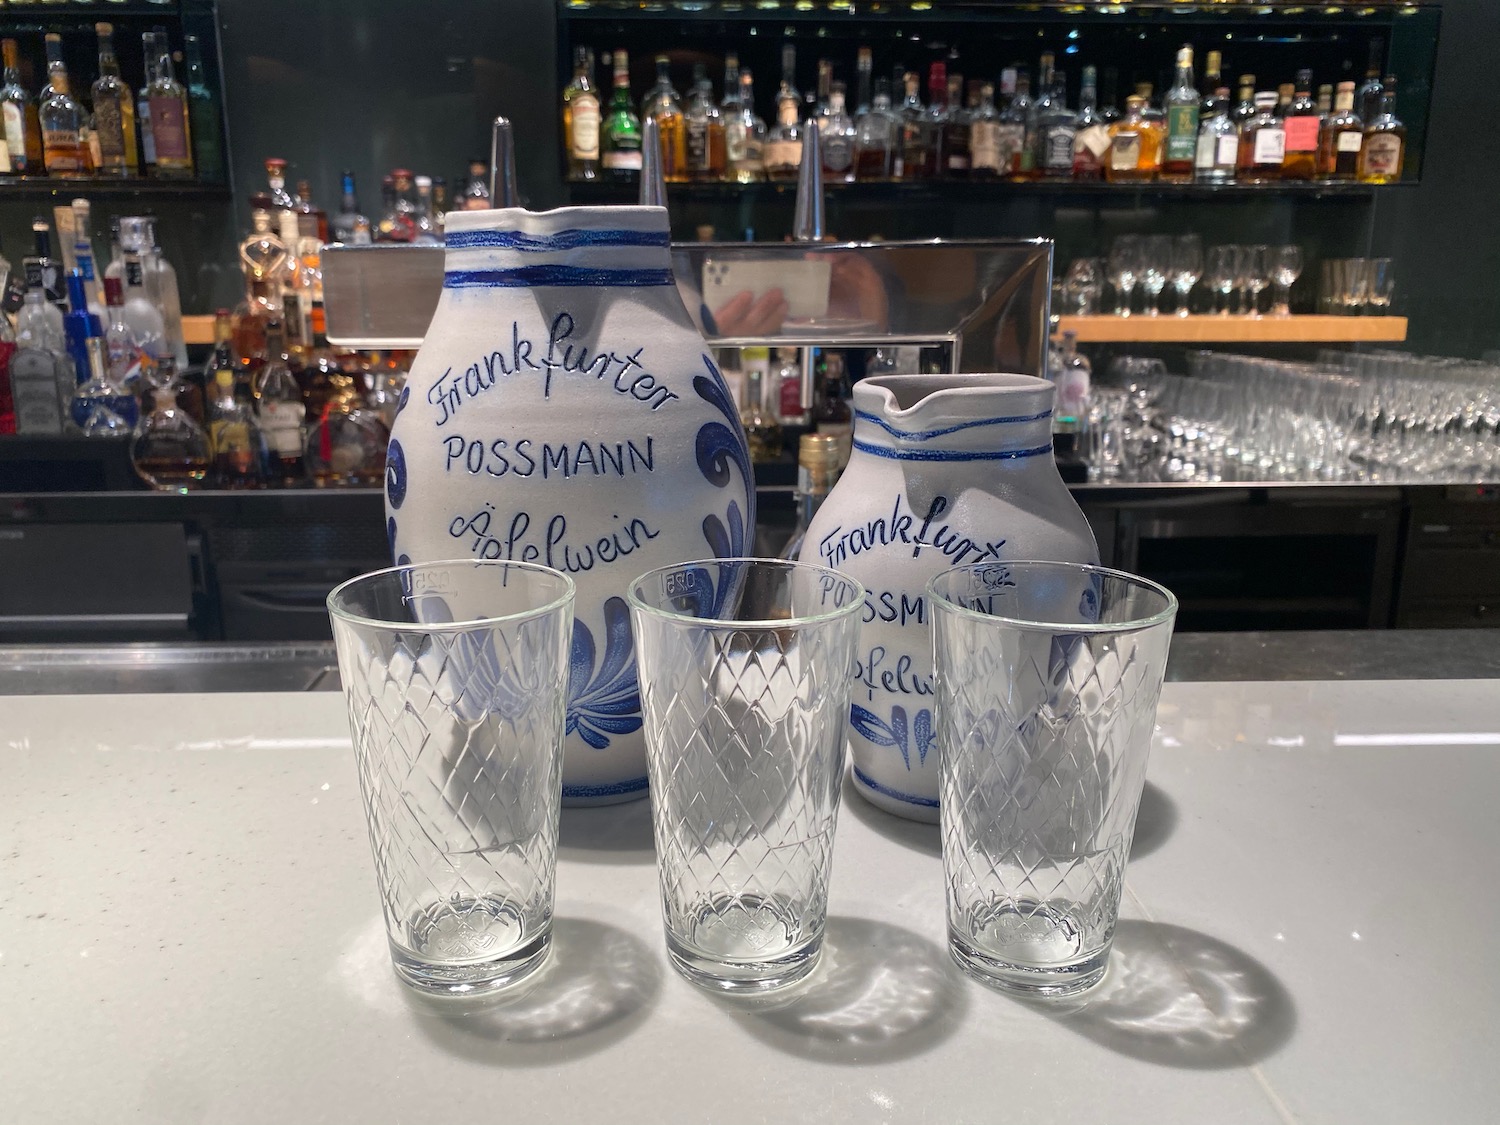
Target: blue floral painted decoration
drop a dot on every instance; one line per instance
(608, 702)
(395, 474)
(894, 733)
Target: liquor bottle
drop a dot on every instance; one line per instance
(78, 325)
(1109, 98)
(1218, 144)
(23, 130)
(1058, 130)
(1091, 142)
(439, 202)
(280, 411)
(170, 450)
(622, 128)
(1301, 126)
(203, 116)
(783, 147)
(832, 415)
(875, 137)
(1213, 102)
(83, 254)
(916, 143)
(234, 438)
(426, 228)
(1284, 95)
(662, 104)
(99, 408)
(123, 357)
(789, 75)
(276, 184)
(863, 94)
(62, 120)
(39, 334)
(346, 444)
(398, 223)
(817, 473)
(820, 101)
(762, 432)
(312, 220)
(744, 136)
(1015, 132)
(787, 381)
(1041, 106)
(1262, 143)
(1342, 137)
(42, 267)
(954, 142)
(1146, 91)
(1182, 109)
(263, 258)
(476, 193)
(984, 136)
(706, 153)
(1367, 101)
(837, 133)
(1325, 102)
(114, 111)
(1135, 145)
(294, 308)
(581, 113)
(35, 391)
(1383, 155)
(143, 104)
(1244, 108)
(146, 323)
(171, 131)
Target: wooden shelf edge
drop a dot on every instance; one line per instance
(1169, 329)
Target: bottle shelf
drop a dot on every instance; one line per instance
(979, 191)
(1169, 329)
(95, 187)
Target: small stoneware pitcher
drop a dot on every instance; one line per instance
(947, 470)
(564, 410)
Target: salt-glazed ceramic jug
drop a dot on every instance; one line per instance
(947, 470)
(563, 409)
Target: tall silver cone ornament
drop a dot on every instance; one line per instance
(503, 189)
(653, 183)
(808, 224)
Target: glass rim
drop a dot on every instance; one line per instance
(1135, 625)
(729, 623)
(569, 592)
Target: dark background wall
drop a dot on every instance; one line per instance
(372, 84)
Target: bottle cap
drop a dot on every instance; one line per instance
(114, 292)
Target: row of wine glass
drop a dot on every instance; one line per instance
(1158, 264)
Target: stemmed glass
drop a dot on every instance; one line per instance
(1286, 267)
(1187, 268)
(1156, 265)
(1083, 286)
(1253, 270)
(1125, 269)
(1221, 276)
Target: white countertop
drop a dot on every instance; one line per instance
(189, 932)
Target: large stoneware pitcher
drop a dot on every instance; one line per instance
(564, 410)
(946, 470)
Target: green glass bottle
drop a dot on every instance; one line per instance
(622, 128)
(203, 116)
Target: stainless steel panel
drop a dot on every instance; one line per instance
(380, 296)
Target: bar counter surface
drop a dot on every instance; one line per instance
(189, 932)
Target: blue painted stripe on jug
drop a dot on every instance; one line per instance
(560, 240)
(924, 435)
(531, 277)
(886, 791)
(950, 454)
(613, 789)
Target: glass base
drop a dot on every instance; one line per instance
(742, 977)
(472, 978)
(1028, 980)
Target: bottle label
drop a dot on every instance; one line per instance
(1270, 145)
(148, 144)
(133, 273)
(1057, 148)
(1125, 152)
(1350, 140)
(783, 154)
(623, 159)
(1011, 142)
(281, 422)
(1207, 145)
(1301, 134)
(789, 405)
(838, 154)
(735, 134)
(15, 130)
(109, 132)
(169, 131)
(697, 144)
(62, 151)
(291, 315)
(1382, 154)
(585, 127)
(1094, 140)
(984, 145)
(1228, 150)
(1182, 132)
